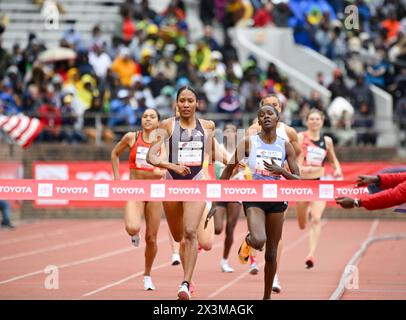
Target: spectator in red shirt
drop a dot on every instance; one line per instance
(392, 25)
(51, 118)
(263, 16)
(128, 27)
(394, 186)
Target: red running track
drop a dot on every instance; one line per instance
(96, 260)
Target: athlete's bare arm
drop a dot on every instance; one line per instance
(209, 128)
(332, 158)
(304, 169)
(294, 140)
(213, 147)
(239, 154)
(126, 142)
(159, 137)
(292, 160)
(253, 129)
(208, 124)
(219, 153)
(294, 173)
(300, 138)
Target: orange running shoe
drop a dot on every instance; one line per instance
(244, 251)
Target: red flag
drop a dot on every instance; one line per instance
(21, 129)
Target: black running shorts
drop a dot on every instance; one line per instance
(267, 207)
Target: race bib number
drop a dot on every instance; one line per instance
(141, 158)
(315, 156)
(267, 155)
(190, 153)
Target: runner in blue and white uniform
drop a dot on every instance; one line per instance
(266, 154)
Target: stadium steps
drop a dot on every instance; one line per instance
(25, 16)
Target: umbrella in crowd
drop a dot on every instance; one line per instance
(57, 54)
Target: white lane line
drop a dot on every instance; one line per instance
(374, 226)
(59, 246)
(382, 290)
(338, 293)
(57, 232)
(135, 275)
(78, 262)
(245, 273)
(138, 274)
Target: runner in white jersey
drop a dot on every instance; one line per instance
(266, 154)
(289, 134)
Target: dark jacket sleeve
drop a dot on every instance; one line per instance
(395, 193)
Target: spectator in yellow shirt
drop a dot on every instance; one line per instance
(125, 67)
(87, 90)
(201, 56)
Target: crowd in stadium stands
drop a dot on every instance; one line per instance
(151, 56)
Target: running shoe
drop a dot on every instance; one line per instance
(254, 269)
(225, 267)
(244, 251)
(183, 292)
(135, 240)
(148, 285)
(7, 225)
(175, 259)
(309, 262)
(276, 286)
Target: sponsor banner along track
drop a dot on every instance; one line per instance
(180, 190)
